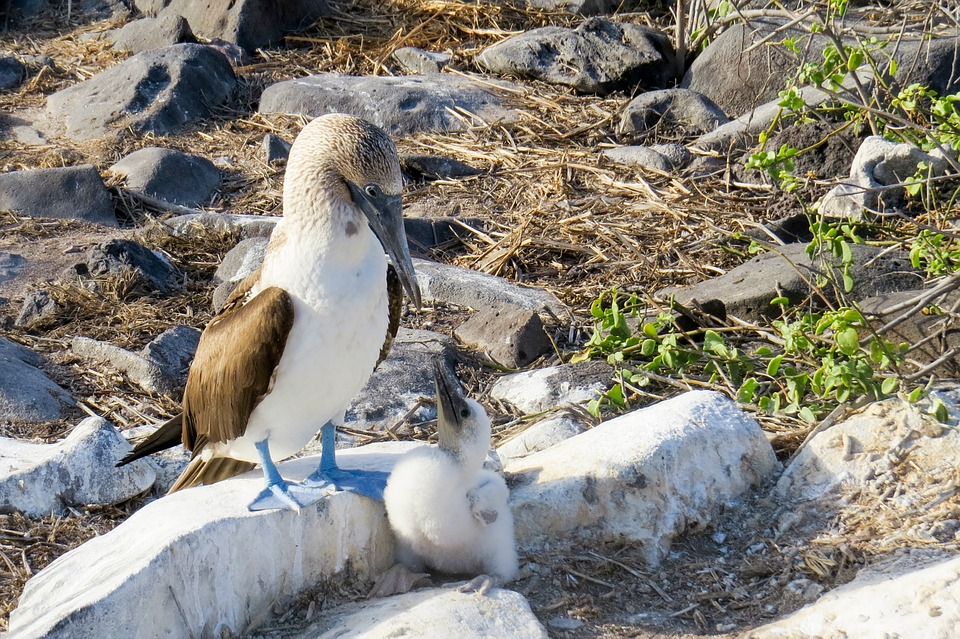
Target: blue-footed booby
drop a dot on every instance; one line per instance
(449, 513)
(298, 338)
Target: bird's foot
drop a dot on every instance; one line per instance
(369, 483)
(481, 584)
(285, 495)
(396, 580)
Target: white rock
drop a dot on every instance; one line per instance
(896, 599)
(855, 451)
(26, 393)
(545, 388)
(430, 614)
(143, 372)
(643, 477)
(198, 563)
(167, 464)
(540, 436)
(40, 479)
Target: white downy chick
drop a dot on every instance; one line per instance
(449, 514)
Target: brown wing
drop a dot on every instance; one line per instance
(394, 308)
(234, 365)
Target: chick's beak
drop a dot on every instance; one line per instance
(385, 216)
(451, 402)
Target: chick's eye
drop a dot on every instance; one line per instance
(464, 412)
(372, 190)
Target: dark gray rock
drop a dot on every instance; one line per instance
(437, 232)
(11, 265)
(599, 56)
(512, 337)
(72, 193)
(37, 305)
(670, 111)
(557, 386)
(38, 61)
(746, 290)
(678, 155)
(432, 167)
(43, 479)
(150, 271)
(180, 178)
(400, 105)
(641, 156)
(739, 78)
(152, 92)
(275, 149)
(26, 393)
(465, 287)
(172, 351)
(252, 24)
(401, 381)
(415, 60)
(944, 327)
(143, 372)
(12, 73)
(152, 33)
(583, 7)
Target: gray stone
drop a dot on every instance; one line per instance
(438, 232)
(556, 386)
(242, 260)
(640, 156)
(914, 594)
(43, 479)
(415, 60)
(678, 155)
(145, 373)
(152, 92)
(746, 290)
(682, 110)
(11, 266)
(26, 393)
(252, 24)
(143, 575)
(539, 436)
(149, 271)
(12, 72)
(877, 167)
(401, 381)
(167, 464)
(583, 7)
(20, 130)
(643, 478)
(400, 105)
(431, 167)
(172, 351)
(739, 76)
(275, 149)
(37, 305)
(180, 178)
(427, 614)
(245, 225)
(743, 131)
(944, 327)
(465, 287)
(511, 337)
(151, 33)
(599, 56)
(71, 193)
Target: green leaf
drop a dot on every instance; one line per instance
(648, 348)
(714, 343)
(807, 415)
(649, 330)
(848, 340)
(915, 395)
(888, 385)
(847, 282)
(774, 366)
(747, 390)
(939, 410)
(780, 301)
(593, 407)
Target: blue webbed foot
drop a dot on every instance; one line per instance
(369, 483)
(286, 495)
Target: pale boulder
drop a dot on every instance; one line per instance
(643, 477)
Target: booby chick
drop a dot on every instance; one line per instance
(448, 513)
(298, 338)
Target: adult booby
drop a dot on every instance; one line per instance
(449, 513)
(298, 338)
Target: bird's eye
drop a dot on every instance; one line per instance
(464, 412)
(372, 190)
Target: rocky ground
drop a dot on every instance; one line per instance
(564, 160)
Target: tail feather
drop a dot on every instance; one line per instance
(168, 435)
(209, 471)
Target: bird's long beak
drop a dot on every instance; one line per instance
(385, 215)
(451, 404)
